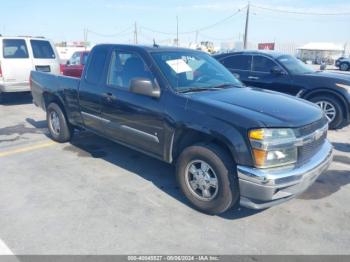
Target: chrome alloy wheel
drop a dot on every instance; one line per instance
(328, 109)
(55, 122)
(201, 180)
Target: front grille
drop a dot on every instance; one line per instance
(308, 129)
(307, 151)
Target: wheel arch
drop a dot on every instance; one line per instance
(185, 137)
(344, 62)
(53, 98)
(326, 91)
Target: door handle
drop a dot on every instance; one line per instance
(253, 77)
(109, 97)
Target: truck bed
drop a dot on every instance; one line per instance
(45, 87)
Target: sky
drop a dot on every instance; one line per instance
(113, 20)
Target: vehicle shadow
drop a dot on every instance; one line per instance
(327, 184)
(161, 174)
(20, 98)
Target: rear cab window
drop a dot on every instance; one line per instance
(96, 66)
(15, 49)
(42, 49)
(84, 58)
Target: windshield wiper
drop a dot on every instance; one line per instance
(224, 85)
(210, 88)
(194, 89)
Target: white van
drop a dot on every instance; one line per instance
(20, 55)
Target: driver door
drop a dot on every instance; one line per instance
(134, 119)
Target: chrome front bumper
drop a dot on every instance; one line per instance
(263, 188)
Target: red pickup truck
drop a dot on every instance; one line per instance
(75, 65)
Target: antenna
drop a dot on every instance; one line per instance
(154, 43)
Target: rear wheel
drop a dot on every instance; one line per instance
(332, 108)
(344, 67)
(207, 177)
(60, 129)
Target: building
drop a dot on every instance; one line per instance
(318, 52)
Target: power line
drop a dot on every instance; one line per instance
(198, 29)
(156, 31)
(299, 13)
(216, 38)
(216, 23)
(123, 32)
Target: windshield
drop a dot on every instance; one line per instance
(294, 65)
(189, 71)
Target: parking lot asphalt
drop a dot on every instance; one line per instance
(92, 196)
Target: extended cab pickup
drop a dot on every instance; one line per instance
(231, 144)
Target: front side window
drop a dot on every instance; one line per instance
(188, 71)
(42, 49)
(15, 49)
(294, 65)
(239, 62)
(125, 66)
(263, 64)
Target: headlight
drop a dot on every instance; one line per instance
(273, 147)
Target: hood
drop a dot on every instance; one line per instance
(334, 76)
(267, 108)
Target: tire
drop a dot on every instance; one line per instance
(59, 128)
(221, 166)
(322, 101)
(344, 67)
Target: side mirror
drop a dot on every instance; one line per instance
(144, 86)
(276, 70)
(68, 62)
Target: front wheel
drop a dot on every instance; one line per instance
(332, 108)
(59, 128)
(344, 67)
(208, 178)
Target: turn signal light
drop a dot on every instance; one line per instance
(257, 134)
(259, 157)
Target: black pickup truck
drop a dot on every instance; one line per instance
(231, 144)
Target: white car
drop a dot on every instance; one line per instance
(19, 56)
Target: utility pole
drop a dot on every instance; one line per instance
(85, 37)
(245, 43)
(177, 31)
(135, 34)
